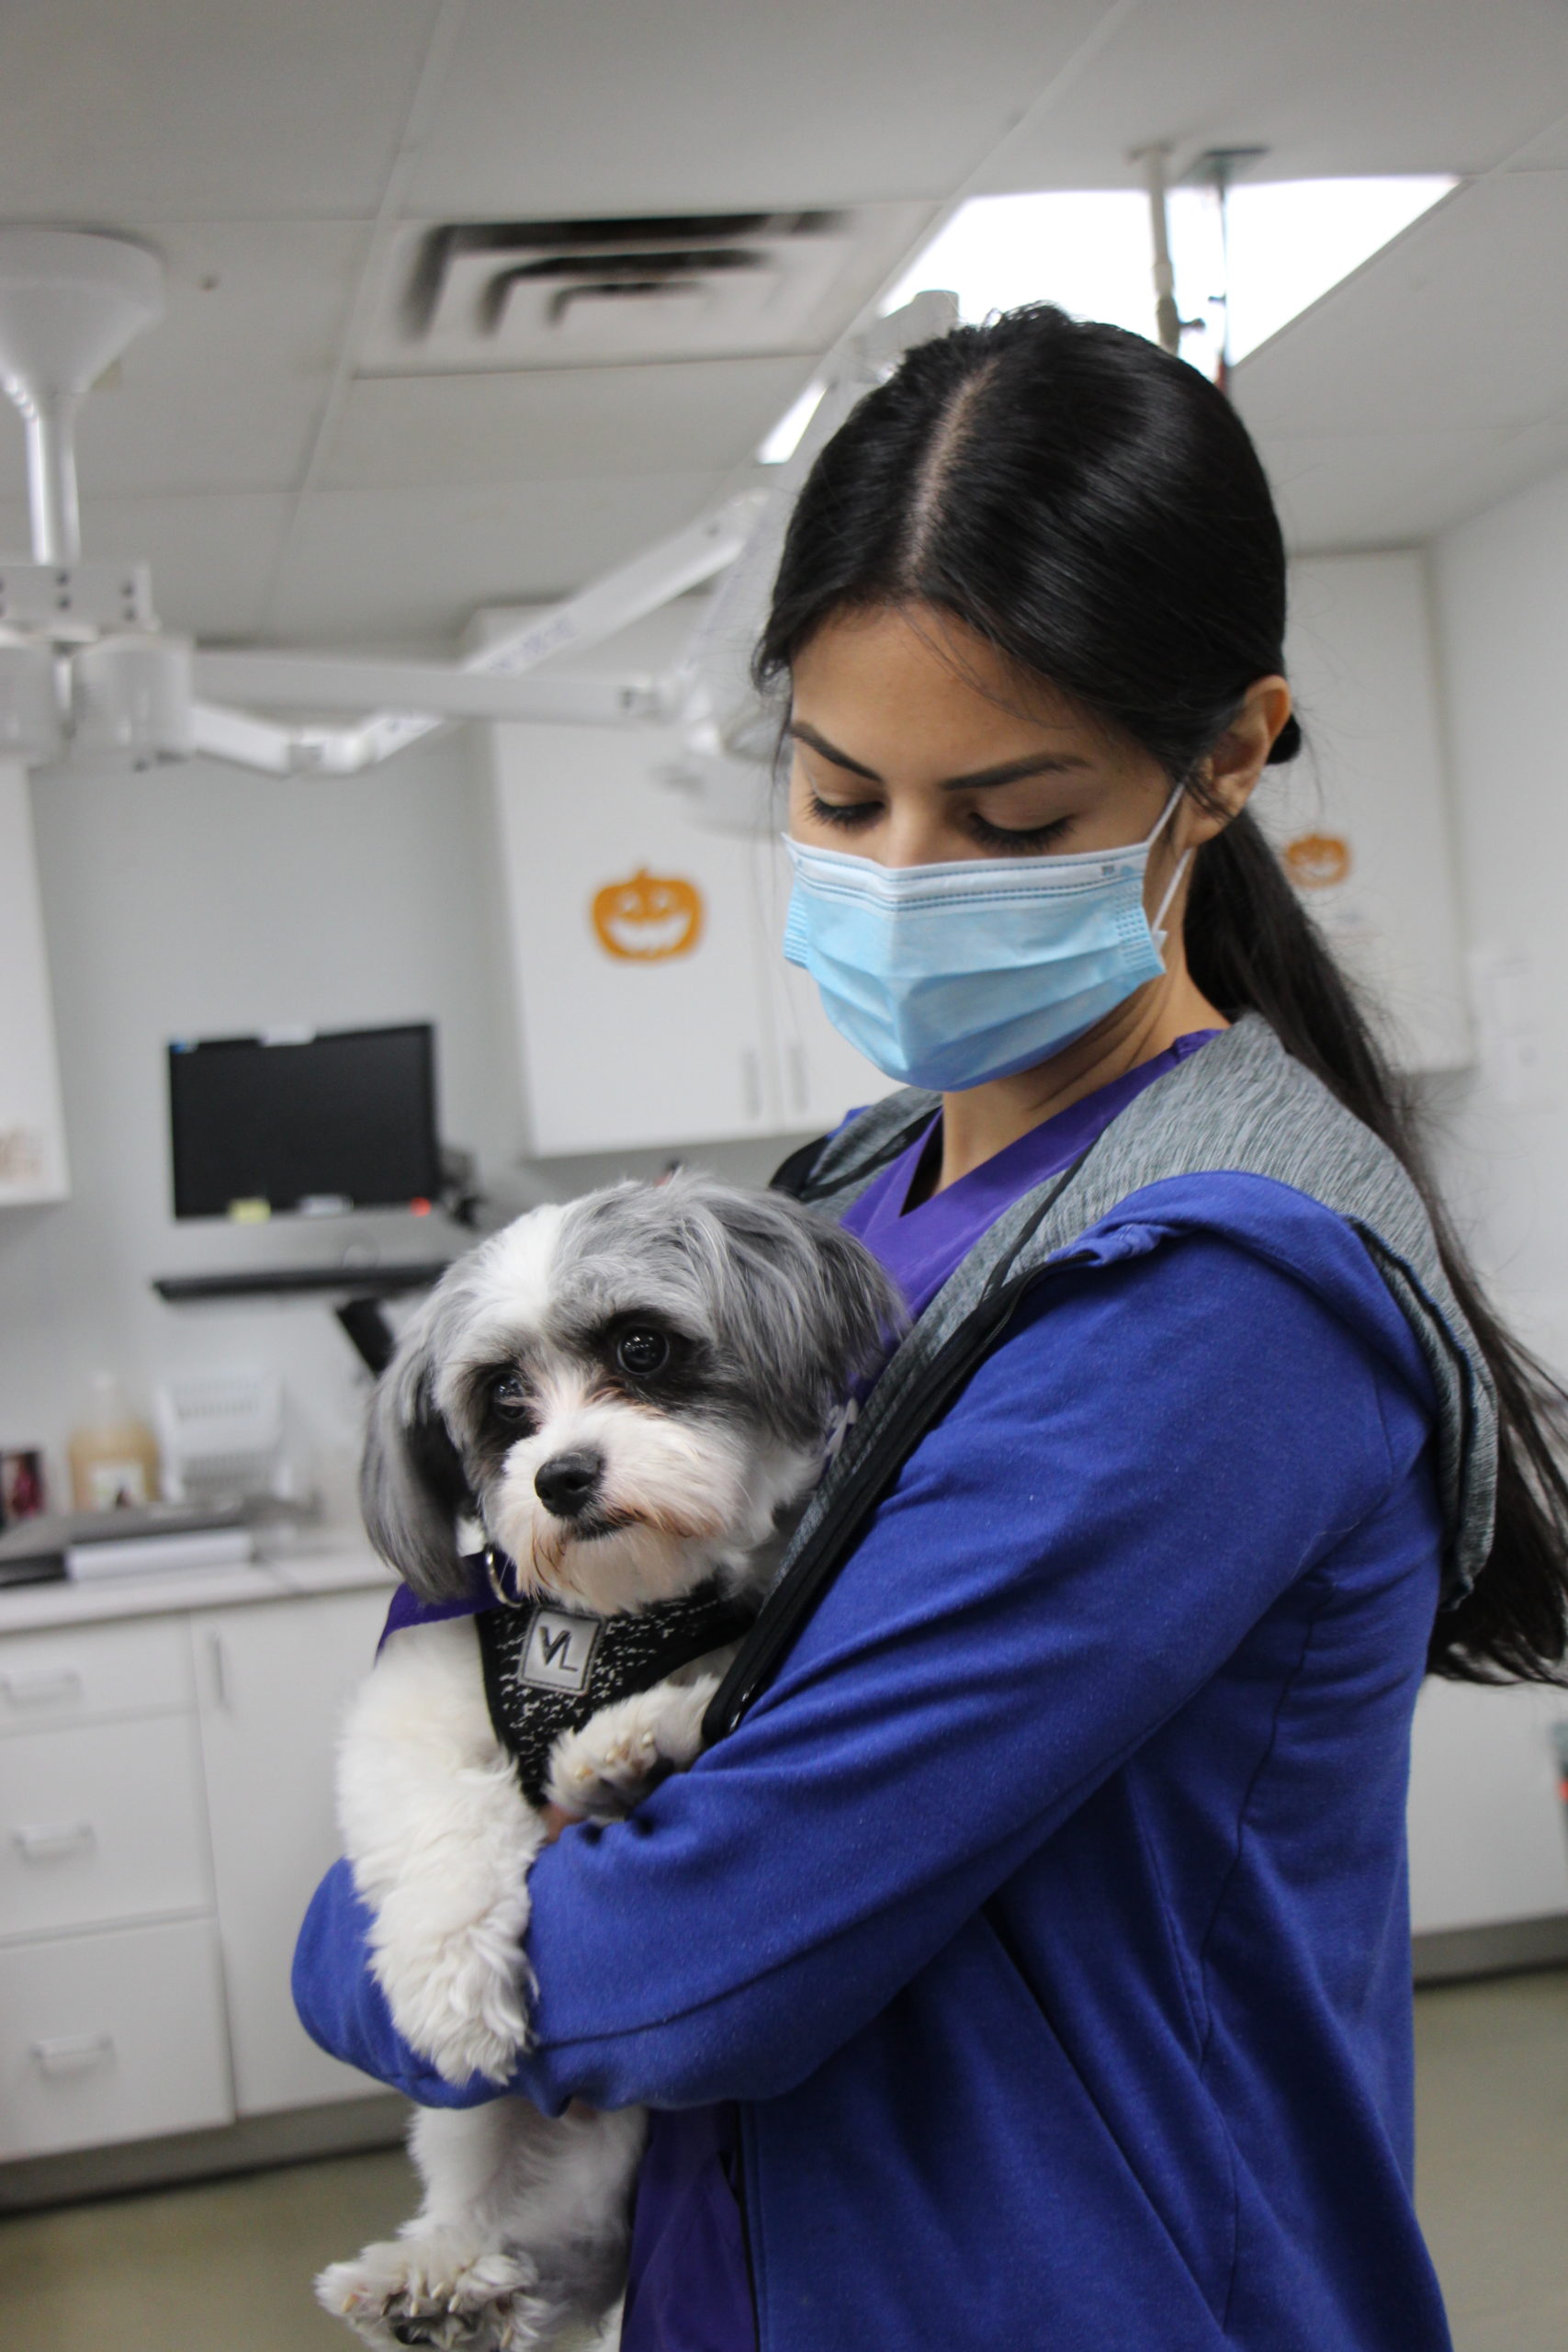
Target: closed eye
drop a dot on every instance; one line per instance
(1009, 841)
(848, 813)
(1016, 840)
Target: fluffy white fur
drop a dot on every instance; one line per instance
(523, 2231)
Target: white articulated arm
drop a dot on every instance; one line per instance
(493, 684)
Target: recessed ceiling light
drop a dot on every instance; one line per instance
(1290, 241)
(1287, 243)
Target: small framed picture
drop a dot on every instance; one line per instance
(22, 1492)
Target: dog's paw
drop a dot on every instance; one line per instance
(609, 1764)
(458, 1990)
(440, 2289)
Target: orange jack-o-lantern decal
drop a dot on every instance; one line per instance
(1316, 861)
(649, 919)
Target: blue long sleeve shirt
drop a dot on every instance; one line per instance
(1047, 1914)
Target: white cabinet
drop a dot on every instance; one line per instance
(111, 2037)
(272, 1679)
(100, 1822)
(653, 1003)
(165, 1812)
(1361, 819)
(32, 1128)
(111, 2009)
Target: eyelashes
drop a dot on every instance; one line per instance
(1017, 837)
(853, 816)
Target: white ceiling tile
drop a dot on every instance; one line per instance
(1548, 153)
(1370, 490)
(1460, 324)
(1509, 462)
(115, 110)
(224, 393)
(697, 416)
(703, 104)
(413, 564)
(1330, 88)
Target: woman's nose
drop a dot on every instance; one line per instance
(916, 836)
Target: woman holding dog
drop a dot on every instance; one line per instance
(1026, 1962)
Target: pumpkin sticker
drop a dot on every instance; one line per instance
(649, 918)
(1317, 860)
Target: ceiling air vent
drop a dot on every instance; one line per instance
(463, 295)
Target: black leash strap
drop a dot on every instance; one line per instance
(819, 1558)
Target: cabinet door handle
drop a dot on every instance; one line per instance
(46, 1690)
(219, 1674)
(50, 1841)
(73, 2054)
(750, 1082)
(800, 1092)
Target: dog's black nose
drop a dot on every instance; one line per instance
(568, 1483)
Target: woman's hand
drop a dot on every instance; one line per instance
(557, 1818)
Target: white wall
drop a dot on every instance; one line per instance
(1501, 590)
(198, 901)
(201, 901)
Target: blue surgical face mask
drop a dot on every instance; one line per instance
(946, 975)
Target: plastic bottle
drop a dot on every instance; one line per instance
(114, 1456)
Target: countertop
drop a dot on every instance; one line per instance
(306, 1564)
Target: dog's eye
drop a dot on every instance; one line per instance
(642, 1351)
(509, 1397)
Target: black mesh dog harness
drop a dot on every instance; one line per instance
(549, 1664)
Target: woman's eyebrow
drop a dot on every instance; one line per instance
(1033, 763)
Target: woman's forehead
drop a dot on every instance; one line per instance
(918, 666)
(897, 688)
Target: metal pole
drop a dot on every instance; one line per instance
(1217, 168)
(51, 475)
(1168, 318)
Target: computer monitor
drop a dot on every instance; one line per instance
(302, 1123)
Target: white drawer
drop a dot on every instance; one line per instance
(110, 2037)
(82, 1673)
(99, 1824)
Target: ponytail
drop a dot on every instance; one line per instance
(1252, 947)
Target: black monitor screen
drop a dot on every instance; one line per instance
(344, 1119)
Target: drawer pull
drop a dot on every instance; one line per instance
(50, 1841)
(73, 2054)
(41, 1690)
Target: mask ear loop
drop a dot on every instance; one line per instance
(1155, 930)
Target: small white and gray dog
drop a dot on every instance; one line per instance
(633, 1394)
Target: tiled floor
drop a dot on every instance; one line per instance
(1491, 2159)
(222, 2267)
(226, 2267)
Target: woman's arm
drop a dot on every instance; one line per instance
(1157, 1450)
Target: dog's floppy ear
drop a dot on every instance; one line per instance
(807, 1302)
(412, 1486)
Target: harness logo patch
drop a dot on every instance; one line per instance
(558, 1650)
